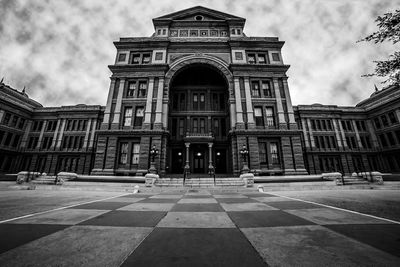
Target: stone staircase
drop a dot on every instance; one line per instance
(199, 182)
(353, 180)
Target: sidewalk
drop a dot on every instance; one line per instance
(200, 228)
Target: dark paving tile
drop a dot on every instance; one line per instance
(385, 237)
(236, 200)
(197, 196)
(139, 195)
(197, 207)
(257, 195)
(127, 218)
(292, 205)
(14, 235)
(159, 200)
(270, 218)
(195, 247)
(102, 205)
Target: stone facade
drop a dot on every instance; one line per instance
(199, 90)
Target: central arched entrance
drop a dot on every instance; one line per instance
(199, 121)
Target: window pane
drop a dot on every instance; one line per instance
(123, 156)
(135, 153)
(128, 116)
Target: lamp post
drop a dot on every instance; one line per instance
(153, 153)
(244, 152)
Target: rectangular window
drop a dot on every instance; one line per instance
(274, 153)
(377, 123)
(182, 103)
(135, 153)
(139, 116)
(238, 55)
(128, 116)
(258, 116)
(7, 118)
(181, 127)
(195, 126)
(15, 141)
(159, 56)
(142, 89)
(266, 88)
(195, 102)
(269, 112)
(275, 57)
(261, 59)
(390, 137)
(384, 120)
(135, 59)
(146, 58)
(123, 153)
(175, 101)
(216, 127)
(121, 57)
(202, 126)
(202, 101)
(21, 123)
(131, 89)
(392, 118)
(8, 139)
(255, 88)
(14, 121)
(251, 58)
(263, 153)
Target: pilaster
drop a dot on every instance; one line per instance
(249, 104)
(106, 119)
(149, 102)
(238, 105)
(159, 105)
(292, 121)
(281, 114)
(118, 106)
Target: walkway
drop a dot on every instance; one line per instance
(199, 228)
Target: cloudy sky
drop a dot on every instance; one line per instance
(60, 49)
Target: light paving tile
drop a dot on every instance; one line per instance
(166, 196)
(66, 216)
(197, 201)
(123, 199)
(271, 199)
(313, 245)
(245, 206)
(197, 220)
(148, 207)
(78, 246)
(332, 216)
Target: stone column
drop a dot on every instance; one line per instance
(338, 137)
(306, 140)
(371, 131)
(94, 124)
(117, 111)
(292, 121)
(342, 134)
(239, 110)
(232, 110)
(159, 105)
(165, 113)
(311, 133)
(249, 104)
(26, 134)
(39, 144)
(149, 102)
(357, 134)
(86, 140)
(107, 111)
(1, 114)
(53, 143)
(279, 106)
(397, 114)
(187, 166)
(210, 165)
(60, 136)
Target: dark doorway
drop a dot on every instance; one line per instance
(220, 161)
(177, 161)
(199, 161)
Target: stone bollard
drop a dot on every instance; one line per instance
(150, 178)
(377, 177)
(248, 179)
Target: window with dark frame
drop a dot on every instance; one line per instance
(266, 88)
(269, 113)
(121, 57)
(139, 113)
(255, 88)
(258, 116)
(275, 56)
(123, 153)
(135, 153)
(128, 116)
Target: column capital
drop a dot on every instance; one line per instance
(187, 145)
(210, 144)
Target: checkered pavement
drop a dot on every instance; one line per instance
(199, 228)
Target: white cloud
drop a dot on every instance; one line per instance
(60, 49)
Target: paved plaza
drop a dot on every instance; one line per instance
(198, 228)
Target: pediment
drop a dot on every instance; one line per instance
(194, 13)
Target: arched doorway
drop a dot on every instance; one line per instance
(199, 120)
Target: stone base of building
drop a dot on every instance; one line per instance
(105, 172)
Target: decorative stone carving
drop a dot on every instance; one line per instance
(150, 178)
(377, 177)
(248, 179)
